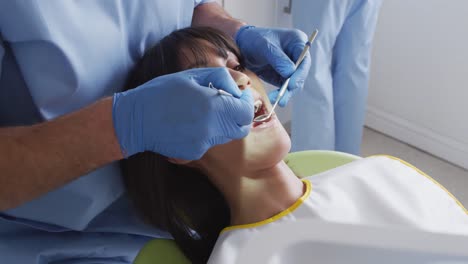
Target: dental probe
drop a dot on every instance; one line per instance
(284, 87)
(220, 91)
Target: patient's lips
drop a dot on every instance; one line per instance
(259, 109)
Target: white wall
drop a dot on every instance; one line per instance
(419, 78)
(248, 10)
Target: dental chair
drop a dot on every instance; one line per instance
(303, 163)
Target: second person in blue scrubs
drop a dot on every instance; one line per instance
(329, 114)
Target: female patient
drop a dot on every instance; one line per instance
(240, 187)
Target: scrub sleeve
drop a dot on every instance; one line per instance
(57, 57)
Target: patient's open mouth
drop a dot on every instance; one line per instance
(259, 109)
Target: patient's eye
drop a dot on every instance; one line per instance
(239, 68)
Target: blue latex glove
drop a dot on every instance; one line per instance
(271, 53)
(178, 116)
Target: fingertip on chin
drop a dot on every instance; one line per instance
(245, 130)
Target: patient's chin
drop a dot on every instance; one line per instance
(270, 160)
(268, 150)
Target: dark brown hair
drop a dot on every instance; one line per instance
(174, 197)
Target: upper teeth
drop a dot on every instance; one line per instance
(258, 105)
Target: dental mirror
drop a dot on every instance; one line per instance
(265, 117)
(283, 88)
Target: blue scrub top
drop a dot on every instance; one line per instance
(57, 57)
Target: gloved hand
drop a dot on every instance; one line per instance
(271, 53)
(178, 116)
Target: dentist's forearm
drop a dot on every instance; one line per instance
(37, 159)
(213, 15)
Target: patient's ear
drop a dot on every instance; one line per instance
(179, 161)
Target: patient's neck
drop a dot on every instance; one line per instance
(258, 195)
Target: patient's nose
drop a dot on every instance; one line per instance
(241, 79)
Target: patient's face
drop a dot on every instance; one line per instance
(267, 143)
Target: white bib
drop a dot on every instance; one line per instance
(376, 191)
